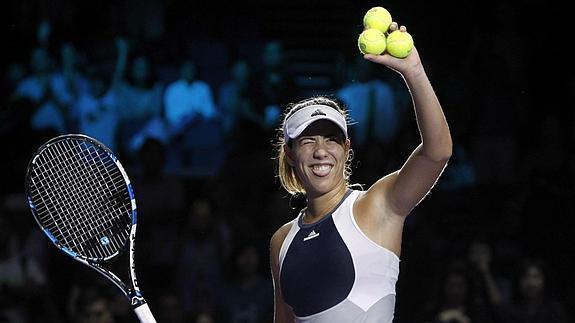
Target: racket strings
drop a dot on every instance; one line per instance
(59, 185)
(97, 200)
(63, 185)
(82, 198)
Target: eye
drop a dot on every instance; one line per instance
(335, 139)
(306, 141)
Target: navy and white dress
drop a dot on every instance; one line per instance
(331, 272)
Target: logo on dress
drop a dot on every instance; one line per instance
(318, 112)
(311, 235)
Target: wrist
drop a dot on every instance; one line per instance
(413, 73)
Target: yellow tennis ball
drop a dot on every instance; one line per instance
(377, 18)
(371, 41)
(399, 44)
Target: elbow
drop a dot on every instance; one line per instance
(439, 153)
(441, 156)
(445, 148)
(446, 151)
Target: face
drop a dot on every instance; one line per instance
(241, 71)
(98, 312)
(140, 69)
(480, 253)
(273, 54)
(188, 71)
(532, 282)
(455, 288)
(318, 156)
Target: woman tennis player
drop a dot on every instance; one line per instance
(338, 260)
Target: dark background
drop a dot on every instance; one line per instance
(462, 44)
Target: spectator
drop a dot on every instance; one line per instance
(169, 308)
(161, 204)
(534, 301)
(15, 72)
(71, 73)
(90, 305)
(188, 100)
(199, 274)
(248, 295)
(52, 87)
(41, 87)
(140, 96)
(493, 289)
(24, 285)
(192, 120)
(455, 300)
(236, 101)
(274, 90)
(97, 111)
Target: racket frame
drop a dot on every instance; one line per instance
(133, 292)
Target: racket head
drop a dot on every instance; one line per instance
(81, 197)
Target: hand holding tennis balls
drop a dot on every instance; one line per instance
(409, 65)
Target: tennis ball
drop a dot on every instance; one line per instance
(371, 41)
(399, 44)
(377, 18)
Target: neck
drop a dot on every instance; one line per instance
(319, 206)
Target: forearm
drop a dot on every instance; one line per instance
(121, 62)
(431, 121)
(433, 127)
(492, 290)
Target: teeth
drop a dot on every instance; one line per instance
(321, 170)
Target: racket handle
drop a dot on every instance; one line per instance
(144, 314)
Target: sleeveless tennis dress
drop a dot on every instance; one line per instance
(331, 272)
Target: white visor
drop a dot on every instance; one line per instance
(299, 120)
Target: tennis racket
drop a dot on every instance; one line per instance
(82, 198)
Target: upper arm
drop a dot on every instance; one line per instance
(409, 185)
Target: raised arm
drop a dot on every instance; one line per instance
(121, 62)
(405, 188)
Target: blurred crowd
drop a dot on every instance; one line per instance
(490, 244)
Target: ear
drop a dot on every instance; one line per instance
(347, 147)
(288, 154)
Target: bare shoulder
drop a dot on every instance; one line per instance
(275, 245)
(376, 194)
(279, 236)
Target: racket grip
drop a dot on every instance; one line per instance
(144, 314)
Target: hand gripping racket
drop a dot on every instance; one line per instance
(82, 198)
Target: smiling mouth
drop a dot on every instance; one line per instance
(321, 170)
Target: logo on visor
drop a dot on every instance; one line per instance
(318, 112)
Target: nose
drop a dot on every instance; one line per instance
(320, 150)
